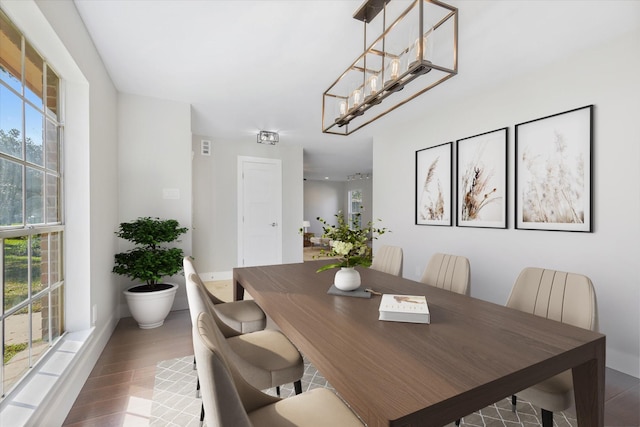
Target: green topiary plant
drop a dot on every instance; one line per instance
(149, 261)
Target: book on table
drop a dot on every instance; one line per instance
(404, 308)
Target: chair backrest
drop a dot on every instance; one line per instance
(189, 268)
(388, 259)
(226, 396)
(450, 272)
(198, 300)
(565, 297)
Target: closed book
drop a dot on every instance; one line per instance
(404, 308)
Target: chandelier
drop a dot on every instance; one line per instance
(417, 51)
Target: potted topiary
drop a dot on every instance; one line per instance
(149, 261)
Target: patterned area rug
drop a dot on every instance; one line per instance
(175, 403)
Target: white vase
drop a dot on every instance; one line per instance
(347, 279)
(150, 309)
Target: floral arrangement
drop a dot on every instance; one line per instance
(349, 243)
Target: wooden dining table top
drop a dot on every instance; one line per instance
(472, 354)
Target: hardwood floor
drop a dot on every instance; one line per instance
(120, 388)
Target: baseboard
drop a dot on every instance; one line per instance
(57, 403)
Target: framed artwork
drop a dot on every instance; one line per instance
(433, 185)
(481, 195)
(553, 172)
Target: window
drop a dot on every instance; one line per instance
(355, 208)
(31, 223)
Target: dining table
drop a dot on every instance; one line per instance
(472, 354)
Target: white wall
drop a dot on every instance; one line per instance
(606, 76)
(154, 140)
(323, 199)
(215, 208)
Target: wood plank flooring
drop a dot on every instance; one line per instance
(120, 388)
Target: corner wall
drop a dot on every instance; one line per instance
(154, 170)
(606, 76)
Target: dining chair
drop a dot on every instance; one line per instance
(243, 316)
(564, 297)
(229, 400)
(388, 259)
(266, 358)
(450, 272)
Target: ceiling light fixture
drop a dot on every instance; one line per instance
(421, 45)
(266, 137)
(358, 175)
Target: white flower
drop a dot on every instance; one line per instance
(341, 248)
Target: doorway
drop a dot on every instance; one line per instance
(259, 211)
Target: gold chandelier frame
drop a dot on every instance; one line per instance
(382, 72)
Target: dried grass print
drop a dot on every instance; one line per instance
(476, 188)
(432, 202)
(553, 190)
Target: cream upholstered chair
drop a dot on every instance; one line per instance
(388, 259)
(450, 272)
(564, 297)
(266, 358)
(243, 316)
(229, 400)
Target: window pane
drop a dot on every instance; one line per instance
(10, 193)
(53, 188)
(10, 123)
(51, 137)
(33, 125)
(35, 196)
(16, 348)
(52, 255)
(39, 268)
(40, 328)
(11, 57)
(56, 311)
(16, 271)
(53, 85)
(33, 76)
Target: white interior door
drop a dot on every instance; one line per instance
(259, 211)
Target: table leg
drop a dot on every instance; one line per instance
(588, 386)
(238, 291)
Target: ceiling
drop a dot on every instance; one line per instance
(246, 66)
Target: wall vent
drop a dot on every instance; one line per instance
(205, 147)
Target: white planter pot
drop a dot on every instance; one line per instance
(347, 279)
(150, 309)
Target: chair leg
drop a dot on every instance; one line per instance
(547, 418)
(278, 390)
(298, 387)
(198, 388)
(201, 415)
(458, 422)
(514, 400)
(194, 363)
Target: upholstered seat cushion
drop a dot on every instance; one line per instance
(554, 394)
(244, 316)
(274, 360)
(318, 407)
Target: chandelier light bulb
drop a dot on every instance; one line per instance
(343, 108)
(395, 68)
(357, 97)
(373, 85)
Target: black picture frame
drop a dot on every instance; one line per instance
(554, 172)
(434, 186)
(481, 183)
